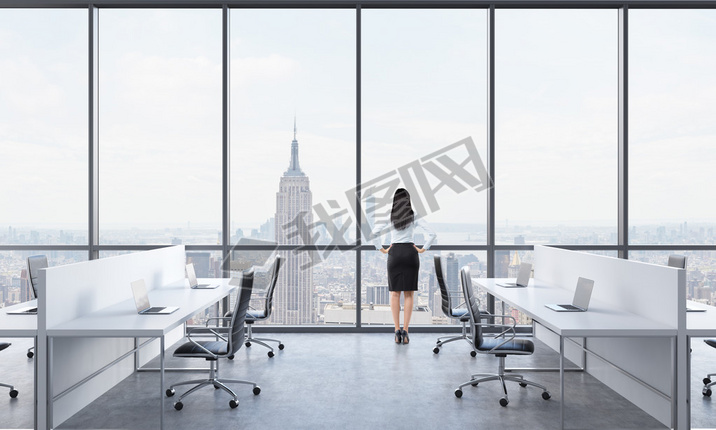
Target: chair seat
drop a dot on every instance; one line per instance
(460, 313)
(710, 342)
(190, 350)
(254, 314)
(515, 346)
(4, 345)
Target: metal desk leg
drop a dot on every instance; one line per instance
(34, 367)
(161, 382)
(50, 391)
(561, 382)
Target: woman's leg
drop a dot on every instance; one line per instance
(407, 308)
(395, 308)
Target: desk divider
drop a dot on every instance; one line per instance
(72, 291)
(651, 291)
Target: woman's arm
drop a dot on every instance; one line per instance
(423, 225)
(379, 230)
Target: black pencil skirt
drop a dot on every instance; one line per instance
(403, 267)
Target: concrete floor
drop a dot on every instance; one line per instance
(356, 381)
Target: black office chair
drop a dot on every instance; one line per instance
(450, 311)
(227, 343)
(254, 315)
(13, 391)
(34, 264)
(501, 345)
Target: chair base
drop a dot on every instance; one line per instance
(502, 377)
(214, 381)
(13, 391)
(706, 391)
(463, 336)
(249, 339)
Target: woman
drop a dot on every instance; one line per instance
(403, 260)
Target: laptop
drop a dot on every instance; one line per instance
(141, 299)
(582, 294)
(193, 283)
(27, 310)
(523, 277)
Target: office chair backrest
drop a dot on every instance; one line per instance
(272, 284)
(678, 261)
(34, 264)
(473, 306)
(447, 306)
(238, 317)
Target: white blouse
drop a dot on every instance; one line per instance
(402, 236)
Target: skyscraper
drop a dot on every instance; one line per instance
(294, 291)
(452, 274)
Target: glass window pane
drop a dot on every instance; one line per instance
(672, 85)
(14, 278)
(160, 135)
(423, 89)
(375, 296)
(556, 126)
(43, 126)
(292, 118)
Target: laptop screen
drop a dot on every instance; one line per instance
(141, 298)
(583, 293)
(191, 274)
(523, 276)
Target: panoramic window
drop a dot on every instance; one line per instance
(43, 126)
(160, 126)
(556, 127)
(672, 83)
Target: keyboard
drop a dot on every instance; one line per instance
(571, 307)
(153, 309)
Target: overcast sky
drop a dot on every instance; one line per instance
(423, 88)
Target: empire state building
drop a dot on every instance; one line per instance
(294, 290)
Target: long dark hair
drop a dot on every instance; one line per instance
(402, 214)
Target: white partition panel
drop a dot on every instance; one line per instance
(651, 291)
(644, 289)
(72, 291)
(82, 288)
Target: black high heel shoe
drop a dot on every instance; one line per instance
(406, 338)
(398, 336)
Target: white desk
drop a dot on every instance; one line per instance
(122, 321)
(600, 320)
(21, 326)
(698, 324)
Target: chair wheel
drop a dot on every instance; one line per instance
(248, 344)
(707, 380)
(706, 392)
(14, 393)
(504, 401)
(270, 354)
(523, 385)
(231, 357)
(257, 390)
(474, 384)
(30, 354)
(546, 395)
(458, 393)
(233, 404)
(281, 346)
(178, 406)
(436, 350)
(473, 354)
(170, 392)
(216, 387)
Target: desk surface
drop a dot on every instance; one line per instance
(701, 324)
(122, 320)
(18, 325)
(601, 320)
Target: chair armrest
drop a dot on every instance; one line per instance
(190, 337)
(508, 334)
(217, 319)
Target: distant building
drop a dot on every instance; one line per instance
(377, 295)
(294, 215)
